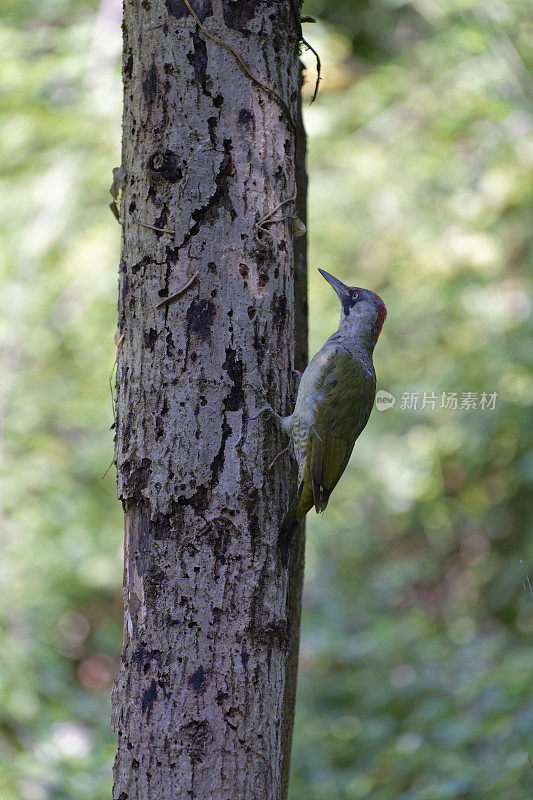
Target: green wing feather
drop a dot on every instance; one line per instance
(346, 390)
(333, 406)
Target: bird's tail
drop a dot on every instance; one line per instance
(287, 530)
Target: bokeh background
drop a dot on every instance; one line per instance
(417, 648)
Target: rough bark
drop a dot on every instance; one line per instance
(203, 704)
(296, 575)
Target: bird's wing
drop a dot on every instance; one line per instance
(346, 389)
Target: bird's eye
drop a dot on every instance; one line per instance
(355, 295)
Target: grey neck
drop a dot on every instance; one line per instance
(356, 333)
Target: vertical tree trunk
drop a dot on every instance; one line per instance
(203, 704)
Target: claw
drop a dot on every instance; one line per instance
(262, 411)
(265, 407)
(259, 392)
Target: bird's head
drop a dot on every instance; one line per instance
(361, 309)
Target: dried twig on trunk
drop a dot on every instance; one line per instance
(176, 296)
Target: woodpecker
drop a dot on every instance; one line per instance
(334, 400)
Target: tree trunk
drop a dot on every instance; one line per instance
(203, 704)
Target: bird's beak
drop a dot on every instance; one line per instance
(343, 291)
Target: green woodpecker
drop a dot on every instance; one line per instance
(335, 397)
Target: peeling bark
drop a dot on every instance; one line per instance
(203, 704)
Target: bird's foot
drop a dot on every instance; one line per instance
(266, 407)
(263, 410)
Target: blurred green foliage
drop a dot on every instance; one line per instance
(417, 647)
(60, 523)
